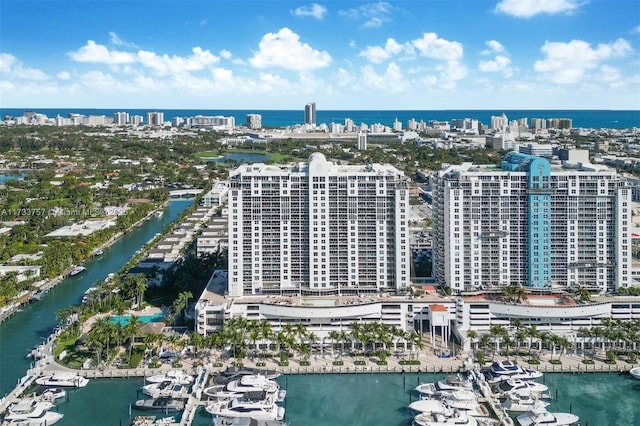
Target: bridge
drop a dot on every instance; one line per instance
(185, 192)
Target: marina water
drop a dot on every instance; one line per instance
(599, 399)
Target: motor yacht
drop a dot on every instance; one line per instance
(245, 407)
(521, 388)
(245, 421)
(504, 370)
(424, 419)
(164, 404)
(444, 387)
(520, 404)
(50, 394)
(32, 412)
(430, 406)
(540, 416)
(63, 379)
(467, 402)
(635, 372)
(166, 388)
(77, 270)
(231, 373)
(175, 376)
(249, 383)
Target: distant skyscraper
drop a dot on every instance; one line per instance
(135, 120)
(254, 121)
(499, 122)
(310, 113)
(155, 118)
(362, 141)
(120, 118)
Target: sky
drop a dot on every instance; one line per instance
(343, 55)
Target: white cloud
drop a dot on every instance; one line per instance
(313, 10)
(529, 8)
(636, 30)
(392, 78)
(225, 54)
(431, 46)
(11, 68)
(284, 49)
(373, 14)
(378, 54)
(499, 63)
(494, 46)
(567, 63)
(63, 75)
(98, 53)
(166, 64)
(610, 75)
(344, 78)
(117, 41)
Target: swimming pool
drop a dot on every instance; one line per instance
(124, 319)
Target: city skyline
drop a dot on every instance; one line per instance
(509, 54)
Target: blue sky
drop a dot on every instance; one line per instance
(421, 54)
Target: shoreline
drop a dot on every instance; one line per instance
(15, 306)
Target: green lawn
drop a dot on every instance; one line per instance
(276, 157)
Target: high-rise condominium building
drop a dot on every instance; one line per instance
(318, 228)
(310, 113)
(120, 118)
(532, 223)
(254, 121)
(155, 118)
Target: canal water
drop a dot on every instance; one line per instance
(599, 399)
(26, 329)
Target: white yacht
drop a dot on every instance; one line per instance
(245, 407)
(430, 406)
(32, 412)
(175, 376)
(63, 379)
(245, 421)
(444, 387)
(253, 384)
(166, 388)
(51, 394)
(521, 388)
(540, 416)
(635, 373)
(467, 402)
(504, 370)
(521, 404)
(77, 270)
(424, 419)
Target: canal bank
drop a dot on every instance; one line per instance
(34, 322)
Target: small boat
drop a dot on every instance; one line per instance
(158, 214)
(430, 406)
(540, 416)
(143, 421)
(230, 374)
(98, 252)
(178, 377)
(76, 270)
(37, 295)
(63, 379)
(444, 387)
(635, 372)
(160, 404)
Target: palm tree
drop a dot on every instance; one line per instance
(181, 302)
(472, 335)
(131, 331)
(266, 334)
(485, 339)
(533, 333)
(334, 336)
(254, 334)
(497, 332)
(416, 342)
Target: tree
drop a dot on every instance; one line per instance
(131, 331)
(472, 335)
(181, 302)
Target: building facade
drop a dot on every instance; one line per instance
(310, 113)
(531, 223)
(254, 121)
(318, 228)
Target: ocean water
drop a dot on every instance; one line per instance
(366, 400)
(282, 118)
